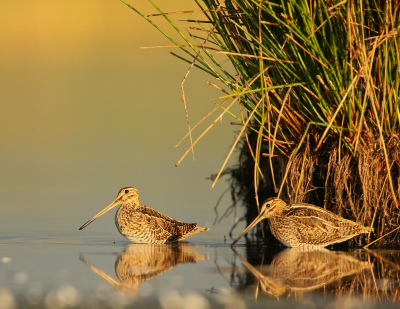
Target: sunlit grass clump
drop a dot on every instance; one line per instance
(318, 87)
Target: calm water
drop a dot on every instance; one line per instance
(106, 271)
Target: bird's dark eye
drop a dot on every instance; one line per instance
(268, 205)
(126, 191)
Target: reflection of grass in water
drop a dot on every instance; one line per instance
(319, 84)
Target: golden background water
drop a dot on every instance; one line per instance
(85, 111)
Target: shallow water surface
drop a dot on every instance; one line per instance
(109, 272)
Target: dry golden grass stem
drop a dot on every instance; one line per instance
(366, 246)
(201, 38)
(291, 158)
(204, 118)
(170, 46)
(236, 141)
(267, 155)
(268, 23)
(277, 141)
(305, 50)
(336, 5)
(247, 139)
(302, 171)
(355, 79)
(259, 141)
(201, 29)
(256, 165)
(236, 85)
(254, 56)
(205, 131)
(290, 120)
(215, 121)
(290, 161)
(277, 122)
(183, 82)
(241, 123)
(309, 91)
(189, 12)
(357, 24)
(217, 87)
(321, 25)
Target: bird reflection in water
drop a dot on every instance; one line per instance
(142, 262)
(299, 270)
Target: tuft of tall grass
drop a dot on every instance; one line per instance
(328, 70)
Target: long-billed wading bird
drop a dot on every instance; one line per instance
(142, 224)
(304, 225)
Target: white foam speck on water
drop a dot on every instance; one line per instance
(65, 296)
(173, 300)
(68, 295)
(51, 301)
(7, 300)
(21, 278)
(5, 259)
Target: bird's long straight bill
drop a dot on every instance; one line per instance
(112, 205)
(251, 225)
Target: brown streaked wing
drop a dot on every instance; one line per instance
(313, 231)
(314, 224)
(148, 211)
(306, 211)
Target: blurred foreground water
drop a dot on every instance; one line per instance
(106, 271)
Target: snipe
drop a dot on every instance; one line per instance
(142, 224)
(304, 225)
